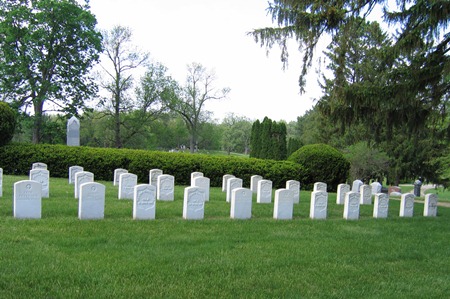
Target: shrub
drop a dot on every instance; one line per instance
(322, 163)
(7, 123)
(18, 158)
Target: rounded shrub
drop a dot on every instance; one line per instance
(322, 163)
(7, 123)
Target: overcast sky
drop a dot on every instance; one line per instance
(214, 33)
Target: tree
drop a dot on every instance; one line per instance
(123, 58)
(268, 140)
(236, 133)
(47, 50)
(191, 99)
(7, 124)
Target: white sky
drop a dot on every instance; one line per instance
(214, 33)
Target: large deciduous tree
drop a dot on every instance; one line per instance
(191, 99)
(122, 57)
(47, 49)
(236, 133)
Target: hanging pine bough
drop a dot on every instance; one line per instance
(407, 82)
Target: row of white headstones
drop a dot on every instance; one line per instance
(91, 195)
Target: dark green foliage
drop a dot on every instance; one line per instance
(18, 158)
(268, 140)
(322, 163)
(293, 145)
(7, 123)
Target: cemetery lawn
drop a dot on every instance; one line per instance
(60, 256)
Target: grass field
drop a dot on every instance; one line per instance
(60, 256)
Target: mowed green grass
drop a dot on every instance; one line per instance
(60, 256)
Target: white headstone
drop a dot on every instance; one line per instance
(319, 204)
(341, 190)
(381, 205)
(294, 186)
(73, 132)
(284, 204)
(27, 202)
(356, 185)
(430, 205)
(407, 205)
(144, 202)
(117, 173)
(194, 203)
(232, 183)
(194, 175)
(365, 193)
(319, 186)
(202, 182)
(264, 191)
(72, 171)
(39, 165)
(91, 204)
(225, 180)
(43, 177)
(81, 178)
(376, 188)
(254, 179)
(153, 176)
(127, 181)
(351, 206)
(1, 182)
(165, 189)
(241, 203)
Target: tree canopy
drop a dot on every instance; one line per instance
(47, 50)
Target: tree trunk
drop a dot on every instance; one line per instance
(118, 140)
(38, 107)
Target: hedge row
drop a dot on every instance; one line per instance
(17, 159)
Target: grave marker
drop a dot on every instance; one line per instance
(264, 191)
(194, 203)
(117, 173)
(254, 179)
(351, 206)
(144, 202)
(319, 186)
(225, 180)
(381, 205)
(284, 204)
(319, 203)
(42, 176)
(294, 186)
(39, 165)
(81, 178)
(376, 188)
(153, 177)
(72, 171)
(91, 204)
(27, 200)
(73, 132)
(165, 187)
(127, 181)
(365, 193)
(232, 183)
(407, 205)
(202, 182)
(194, 175)
(430, 205)
(356, 185)
(342, 189)
(241, 203)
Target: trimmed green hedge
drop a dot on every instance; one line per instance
(322, 163)
(17, 159)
